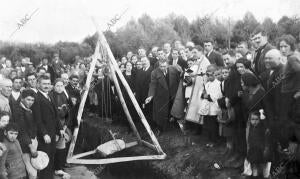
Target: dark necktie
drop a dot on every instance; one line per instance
(256, 59)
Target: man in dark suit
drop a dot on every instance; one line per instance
(177, 60)
(274, 100)
(167, 50)
(260, 38)
(142, 81)
(213, 56)
(15, 97)
(57, 65)
(72, 89)
(163, 89)
(73, 92)
(49, 69)
(154, 57)
(160, 55)
(49, 128)
(31, 80)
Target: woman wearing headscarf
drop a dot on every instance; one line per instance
(129, 75)
(103, 89)
(61, 101)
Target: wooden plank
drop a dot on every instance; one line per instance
(84, 154)
(115, 160)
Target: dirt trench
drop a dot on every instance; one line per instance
(187, 156)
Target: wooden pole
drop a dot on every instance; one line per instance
(95, 56)
(123, 103)
(147, 144)
(116, 160)
(103, 41)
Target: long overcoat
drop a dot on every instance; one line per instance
(163, 89)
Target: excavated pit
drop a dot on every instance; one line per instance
(187, 156)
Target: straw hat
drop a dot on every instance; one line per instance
(41, 161)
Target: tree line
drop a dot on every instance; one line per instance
(146, 32)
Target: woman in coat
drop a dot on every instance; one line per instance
(61, 102)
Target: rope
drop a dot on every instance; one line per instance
(115, 141)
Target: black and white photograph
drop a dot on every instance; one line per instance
(150, 89)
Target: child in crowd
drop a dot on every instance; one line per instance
(14, 164)
(258, 145)
(218, 74)
(211, 94)
(225, 74)
(227, 116)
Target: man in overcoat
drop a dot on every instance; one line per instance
(45, 116)
(162, 89)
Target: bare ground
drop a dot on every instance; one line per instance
(187, 156)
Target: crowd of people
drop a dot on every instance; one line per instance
(37, 112)
(249, 96)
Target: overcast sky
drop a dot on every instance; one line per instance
(70, 20)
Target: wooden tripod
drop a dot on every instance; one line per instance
(114, 70)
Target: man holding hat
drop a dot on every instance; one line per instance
(28, 132)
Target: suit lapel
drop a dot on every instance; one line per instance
(46, 101)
